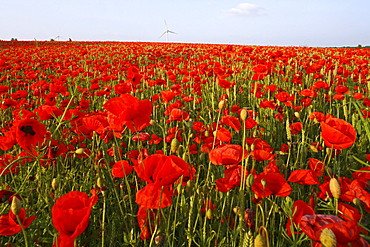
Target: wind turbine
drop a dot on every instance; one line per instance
(167, 31)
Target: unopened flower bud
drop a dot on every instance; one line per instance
(206, 133)
(243, 114)
(175, 144)
(327, 238)
(334, 188)
(296, 114)
(250, 180)
(221, 105)
(16, 205)
(189, 186)
(99, 182)
(259, 241)
(357, 202)
(80, 151)
(55, 183)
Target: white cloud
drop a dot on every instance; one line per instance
(246, 9)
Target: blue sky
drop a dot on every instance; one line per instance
(249, 22)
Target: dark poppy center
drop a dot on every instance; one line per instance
(28, 130)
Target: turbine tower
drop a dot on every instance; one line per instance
(167, 31)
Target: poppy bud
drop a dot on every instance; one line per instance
(99, 182)
(221, 104)
(80, 151)
(357, 202)
(296, 114)
(206, 133)
(327, 238)
(152, 122)
(16, 205)
(243, 114)
(259, 241)
(55, 183)
(189, 186)
(250, 180)
(334, 188)
(175, 144)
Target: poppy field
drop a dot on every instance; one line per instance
(167, 144)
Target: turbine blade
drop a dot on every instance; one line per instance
(165, 23)
(171, 32)
(163, 34)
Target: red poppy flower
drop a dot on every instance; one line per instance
(318, 116)
(161, 171)
(231, 179)
(179, 115)
(346, 232)
(46, 112)
(232, 122)
(8, 140)
(229, 154)
(121, 169)
(261, 155)
(249, 123)
(5, 160)
(296, 127)
(9, 224)
(273, 183)
(70, 215)
(223, 134)
(145, 220)
(337, 133)
(317, 166)
(141, 137)
(300, 208)
(29, 133)
(128, 111)
(304, 177)
(207, 205)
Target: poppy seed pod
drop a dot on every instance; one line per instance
(334, 188)
(327, 238)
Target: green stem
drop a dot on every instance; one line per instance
(23, 230)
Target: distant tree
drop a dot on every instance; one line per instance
(359, 46)
(13, 39)
(70, 39)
